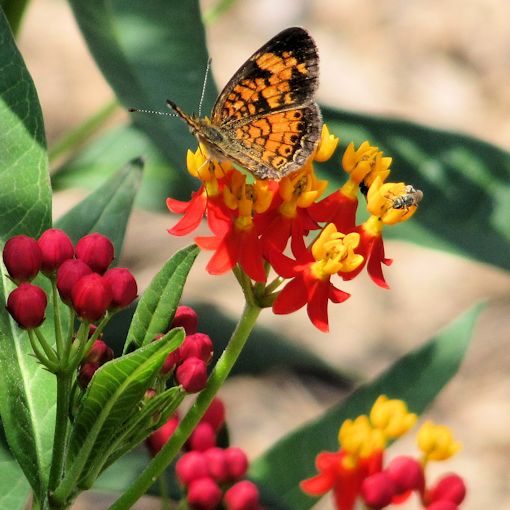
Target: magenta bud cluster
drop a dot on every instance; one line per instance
(81, 273)
(189, 362)
(405, 475)
(212, 476)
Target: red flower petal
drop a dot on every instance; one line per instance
(375, 260)
(317, 308)
(292, 297)
(318, 485)
(177, 206)
(283, 265)
(250, 255)
(337, 295)
(193, 215)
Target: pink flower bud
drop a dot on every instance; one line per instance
(215, 414)
(68, 274)
(87, 371)
(159, 437)
(202, 438)
(242, 496)
(185, 317)
(198, 346)
(22, 258)
(91, 297)
(449, 488)
(377, 490)
(27, 305)
(442, 505)
(237, 462)
(56, 247)
(191, 466)
(170, 362)
(96, 251)
(217, 463)
(204, 494)
(123, 286)
(406, 473)
(99, 353)
(192, 375)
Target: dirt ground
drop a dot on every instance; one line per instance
(440, 62)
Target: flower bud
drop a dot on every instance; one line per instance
(215, 414)
(377, 490)
(99, 353)
(123, 286)
(242, 496)
(170, 362)
(91, 297)
(27, 305)
(198, 345)
(185, 317)
(87, 371)
(217, 464)
(96, 251)
(406, 473)
(56, 247)
(192, 375)
(442, 505)
(159, 437)
(191, 466)
(204, 494)
(237, 462)
(22, 258)
(68, 274)
(202, 438)
(449, 488)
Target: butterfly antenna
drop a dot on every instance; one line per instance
(207, 69)
(152, 112)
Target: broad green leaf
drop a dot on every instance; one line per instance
(157, 306)
(107, 209)
(92, 166)
(416, 378)
(150, 51)
(466, 183)
(14, 487)
(26, 391)
(110, 404)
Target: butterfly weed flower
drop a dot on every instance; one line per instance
(357, 472)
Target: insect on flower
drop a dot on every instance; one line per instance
(408, 199)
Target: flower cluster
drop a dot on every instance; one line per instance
(81, 276)
(188, 363)
(210, 475)
(253, 223)
(357, 470)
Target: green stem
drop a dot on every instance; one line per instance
(64, 381)
(59, 340)
(163, 490)
(84, 131)
(190, 421)
(69, 337)
(49, 360)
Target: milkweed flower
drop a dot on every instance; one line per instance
(254, 222)
(357, 471)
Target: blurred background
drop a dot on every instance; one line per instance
(439, 62)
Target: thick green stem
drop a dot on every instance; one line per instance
(50, 364)
(59, 340)
(190, 421)
(64, 381)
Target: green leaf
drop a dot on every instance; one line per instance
(157, 306)
(465, 182)
(27, 393)
(416, 378)
(14, 488)
(96, 162)
(109, 405)
(107, 209)
(150, 52)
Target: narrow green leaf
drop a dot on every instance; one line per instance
(107, 209)
(157, 306)
(416, 378)
(26, 391)
(93, 165)
(466, 183)
(149, 52)
(111, 401)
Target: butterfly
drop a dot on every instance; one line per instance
(265, 119)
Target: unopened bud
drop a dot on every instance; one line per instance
(191, 466)
(406, 473)
(237, 462)
(192, 375)
(159, 437)
(242, 496)
(215, 414)
(185, 317)
(204, 494)
(198, 345)
(91, 297)
(22, 258)
(68, 274)
(450, 488)
(123, 286)
(202, 438)
(377, 490)
(27, 305)
(96, 251)
(56, 247)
